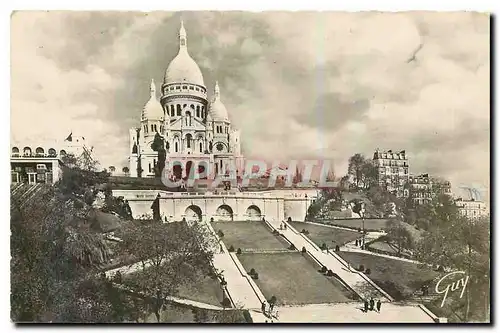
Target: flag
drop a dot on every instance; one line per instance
(70, 137)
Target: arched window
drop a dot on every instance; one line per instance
(184, 106)
(52, 152)
(198, 111)
(178, 109)
(27, 151)
(188, 140)
(152, 128)
(172, 110)
(15, 151)
(192, 106)
(201, 147)
(176, 147)
(62, 152)
(39, 151)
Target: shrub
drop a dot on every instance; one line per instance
(252, 271)
(211, 219)
(329, 273)
(231, 248)
(303, 231)
(78, 204)
(275, 232)
(440, 269)
(292, 247)
(361, 268)
(368, 271)
(238, 251)
(359, 229)
(247, 316)
(303, 249)
(289, 219)
(337, 248)
(307, 232)
(220, 233)
(273, 300)
(323, 246)
(226, 302)
(323, 269)
(255, 276)
(118, 277)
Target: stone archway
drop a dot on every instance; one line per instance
(253, 213)
(224, 213)
(193, 214)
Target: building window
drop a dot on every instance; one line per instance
(27, 151)
(178, 87)
(15, 151)
(178, 109)
(152, 128)
(149, 167)
(52, 152)
(201, 147)
(197, 89)
(191, 88)
(172, 110)
(188, 140)
(184, 87)
(176, 147)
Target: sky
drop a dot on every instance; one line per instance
(297, 84)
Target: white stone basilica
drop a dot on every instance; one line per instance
(196, 132)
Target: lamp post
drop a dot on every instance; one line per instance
(305, 215)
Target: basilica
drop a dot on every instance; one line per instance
(196, 132)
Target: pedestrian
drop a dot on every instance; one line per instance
(263, 307)
(366, 305)
(271, 306)
(356, 242)
(221, 250)
(379, 304)
(372, 304)
(285, 226)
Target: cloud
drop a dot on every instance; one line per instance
(302, 84)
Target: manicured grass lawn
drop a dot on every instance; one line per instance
(323, 234)
(293, 279)
(207, 290)
(248, 235)
(398, 278)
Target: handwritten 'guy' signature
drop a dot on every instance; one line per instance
(451, 286)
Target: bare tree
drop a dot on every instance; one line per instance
(171, 255)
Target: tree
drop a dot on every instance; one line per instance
(171, 255)
(158, 145)
(400, 235)
(126, 171)
(362, 171)
(461, 244)
(111, 168)
(52, 256)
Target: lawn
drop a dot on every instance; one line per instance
(323, 234)
(370, 224)
(175, 313)
(249, 235)
(205, 290)
(293, 279)
(400, 279)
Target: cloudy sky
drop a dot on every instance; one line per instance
(298, 85)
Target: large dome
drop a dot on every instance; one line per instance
(153, 109)
(183, 69)
(217, 110)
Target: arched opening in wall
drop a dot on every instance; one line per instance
(62, 152)
(189, 138)
(203, 169)
(224, 213)
(179, 110)
(15, 151)
(176, 147)
(177, 171)
(27, 151)
(201, 147)
(189, 165)
(52, 152)
(188, 118)
(253, 213)
(198, 111)
(193, 214)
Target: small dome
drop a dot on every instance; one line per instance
(217, 110)
(183, 69)
(153, 109)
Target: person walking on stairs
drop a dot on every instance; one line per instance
(379, 304)
(372, 304)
